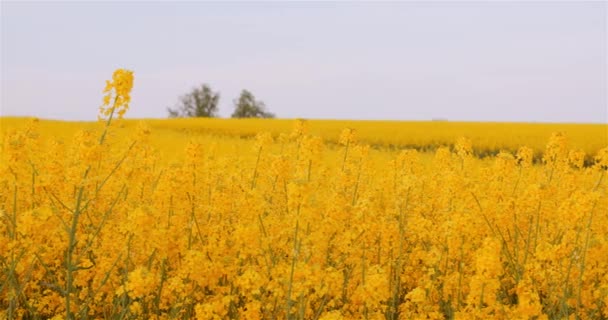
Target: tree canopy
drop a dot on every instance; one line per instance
(200, 102)
(247, 107)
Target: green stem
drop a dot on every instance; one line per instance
(69, 259)
(583, 257)
(108, 122)
(599, 181)
(345, 154)
(294, 259)
(255, 170)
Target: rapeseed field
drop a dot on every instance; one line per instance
(294, 219)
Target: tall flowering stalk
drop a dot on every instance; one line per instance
(118, 90)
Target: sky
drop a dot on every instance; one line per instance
(458, 61)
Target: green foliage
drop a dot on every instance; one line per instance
(200, 102)
(247, 107)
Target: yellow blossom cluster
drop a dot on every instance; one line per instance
(291, 226)
(117, 94)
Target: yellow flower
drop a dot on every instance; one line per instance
(332, 315)
(463, 147)
(525, 156)
(601, 159)
(120, 90)
(418, 295)
(348, 136)
(577, 158)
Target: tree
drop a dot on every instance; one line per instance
(200, 102)
(247, 107)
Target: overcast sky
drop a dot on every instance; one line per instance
(477, 61)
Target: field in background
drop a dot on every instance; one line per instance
(486, 137)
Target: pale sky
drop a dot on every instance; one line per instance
(467, 61)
